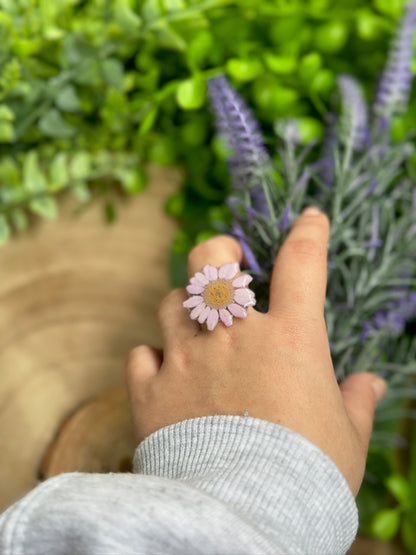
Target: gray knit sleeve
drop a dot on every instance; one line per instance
(214, 485)
(279, 481)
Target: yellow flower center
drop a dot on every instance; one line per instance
(218, 293)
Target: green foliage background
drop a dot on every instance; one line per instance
(92, 90)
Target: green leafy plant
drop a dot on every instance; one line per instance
(394, 513)
(126, 80)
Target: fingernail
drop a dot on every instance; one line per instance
(379, 387)
(311, 211)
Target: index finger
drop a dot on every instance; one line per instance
(298, 284)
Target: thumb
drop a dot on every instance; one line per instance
(361, 392)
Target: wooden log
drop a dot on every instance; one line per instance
(98, 437)
(76, 295)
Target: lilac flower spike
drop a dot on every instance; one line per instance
(219, 294)
(393, 319)
(395, 84)
(354, 119)
(250, 160)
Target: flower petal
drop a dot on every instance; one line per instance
(210, 272)
(212, 319)
(197, 311)
(237, 310)
(244, 297)
(242, 281)
(194, 289)
(201, 278)
(226, 317)
(192, 301)
(196, 281)
(204, 314)
(229, 270)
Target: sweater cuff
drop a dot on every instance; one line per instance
(270, 475)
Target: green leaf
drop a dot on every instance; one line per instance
(399, 487)
(110, 212)
(80, 166)
(52, 124)
(168, 37)
(4, 230)
(309, 65)
(89, 74)
(19, 219)
(132, 180)
(59, 173)
(244, 69)
(128, 20)
(386, 523)
(7, 134)
(148, 120)
(6, 114)
(191, 93)
(34, 179)
(45, 207)
(68, 100)
(81, 191)
(199, 49)
(281, 65)
(113, 73)
(323, 82)
(331, 37)
(310, 129)
(271, 96)
(77, 49)
(177, 266)
(175, 204)
(408, 532)
(151, 10)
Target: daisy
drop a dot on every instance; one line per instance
(217, 294)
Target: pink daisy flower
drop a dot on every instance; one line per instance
(219, 294)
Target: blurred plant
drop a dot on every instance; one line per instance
(126, 79)
(365, 182)
(398, 518)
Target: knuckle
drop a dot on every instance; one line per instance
(181, 357)
(133, 359)
(170, 303)
(305, 247)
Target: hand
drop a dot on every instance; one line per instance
(275, 366)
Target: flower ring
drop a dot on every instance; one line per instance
(217, 294)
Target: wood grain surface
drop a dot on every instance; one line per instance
(75, 296)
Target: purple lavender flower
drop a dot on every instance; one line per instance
(250, 161)
(284, 222)
(392, 319)
(252, 263)
(326, 165)
(354, 119)
(396, 81)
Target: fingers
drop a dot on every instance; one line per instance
(142, 365)
(361, 393)
(298, 283)
(216, 251)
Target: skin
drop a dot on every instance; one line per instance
(275, 366)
